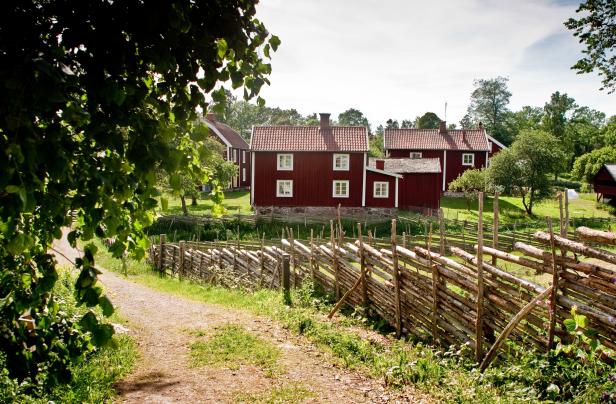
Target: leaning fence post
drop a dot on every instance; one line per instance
(362, 266)
(435, 282)
(181, 260)
(479, 322)
(441, 225)
(262, 260)
(286, 278)
(293, 257)
(552, 310)
(313, 260)
(566, 212)
(332, 240)
(161, 254)
(495, 226)
(396, 275)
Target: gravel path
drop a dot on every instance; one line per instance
(163, 326)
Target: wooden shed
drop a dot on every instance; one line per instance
(604, 182)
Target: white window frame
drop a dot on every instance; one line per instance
(381, 194)
(334, 194)
(416, 155)
(472, 163)
(244, 174)
(243, 156)
(345, 158)
(235, 155)
(279, 157)
(284, 195)
(490, 145)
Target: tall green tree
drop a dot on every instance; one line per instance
(94, 97)
(556, 117)
(353, 117)
(596, 30)
(588, 165)
(585, 130)
(489, 105)
(429, 120)
(524, 167)
(377, 148)
(392, 124)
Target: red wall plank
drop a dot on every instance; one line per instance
(371, 201)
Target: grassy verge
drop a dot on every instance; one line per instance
(93, 378)
(234, 201)
(447, 375)
(293, 393)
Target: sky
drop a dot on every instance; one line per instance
(400, 58)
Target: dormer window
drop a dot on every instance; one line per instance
(341, 162)
(285, 162)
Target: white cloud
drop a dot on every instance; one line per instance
(399, 59)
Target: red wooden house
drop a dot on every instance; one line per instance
(457, 149)
(604, 182)
(236, 150)
(327, 166)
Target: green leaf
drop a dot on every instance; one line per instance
(570, 325)
(105, 305)
(102, 334)
(274, 42)
(12, 189)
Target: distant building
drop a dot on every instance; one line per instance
(456, 149)
(236, 150)
(604, 182)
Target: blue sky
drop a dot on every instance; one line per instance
(400, 58)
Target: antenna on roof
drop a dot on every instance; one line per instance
(445, 119)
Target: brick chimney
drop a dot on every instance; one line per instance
(324, 120)
(442, 128)
(210, 117)
(380, 164)
(480, 125)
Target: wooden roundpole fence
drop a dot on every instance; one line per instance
(396, 278)
(332, 240)
(161, 254)
(362, 265)
(480, 286)
(495, 226)
(552, 311)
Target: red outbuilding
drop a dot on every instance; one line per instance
(236, 150)
(457, 149)
(604, 182)
(327, 166)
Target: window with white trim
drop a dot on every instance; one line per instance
(284, 188)
(341, 162)
(340, 189)
(468, 159)
(381, 189)
(244, 174)
(490, 145)
(235, 155)
(285, 162)
(416, 155)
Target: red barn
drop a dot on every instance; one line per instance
(327, 166)
(604, 182)
(457, 149)
(237, 150)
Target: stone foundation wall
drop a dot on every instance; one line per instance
(323, 211)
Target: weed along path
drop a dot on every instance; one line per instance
(196, 352)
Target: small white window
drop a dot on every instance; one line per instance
(235, 155)
(243, 156)
(285, 162)
(341, 162)
(381, 190)
(468, 159)
(415, 155)
(341, 189)
(243, 174)
(284, 188)
(490, 145)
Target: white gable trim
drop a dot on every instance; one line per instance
(499, 144)
(363, 184)
(218, 133)
(375, 170)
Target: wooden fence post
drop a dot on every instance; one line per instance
(552, 310)
(566, 212)
(435, 282)
(161, 255)
(181, 260)
(293, 257)
(286, 278)
(332, 240)
(495, 226)
(362, 265)
(441, 225)
(479, 323)
(262, 260)
(313, 259)
(396, 275)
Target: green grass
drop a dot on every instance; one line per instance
(512, 210)
(447, 375)
(233, 201)
(232, 346)
(291, 393)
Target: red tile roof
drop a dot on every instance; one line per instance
(309, 138)
(227, 135)
(432, 139)
(408, 165)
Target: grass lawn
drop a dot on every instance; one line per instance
(512, 210)
(233, 201)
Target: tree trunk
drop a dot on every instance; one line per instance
(194, 200)
(184, 208)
